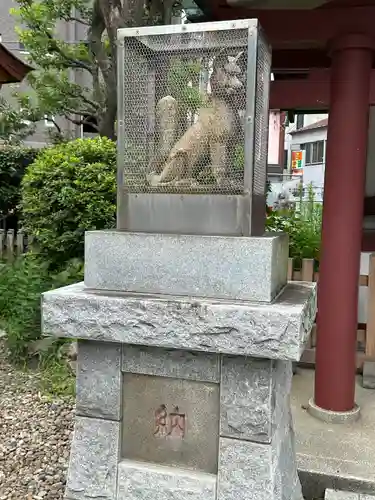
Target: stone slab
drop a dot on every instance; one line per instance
(187, 365)
(284, 459)
(276, 331)
(282, 385)
(342, 495)
(171, 422)
(244, 467)
(246, 398)
(269, 471)
(253, 397)
(368, 379)
(93, 460)
(242, 268)
(137, 481)
(99, 380)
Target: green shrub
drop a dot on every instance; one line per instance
(304, 227)
(13, 162)
(67, 190)
(21, 285)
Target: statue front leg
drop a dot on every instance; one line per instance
(219, 162)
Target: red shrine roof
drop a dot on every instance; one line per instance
(313, 126)
(283, 4)
(12, 69)
(299, 31)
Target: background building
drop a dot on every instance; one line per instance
(70, 32)
(309, 134)
(311, 138)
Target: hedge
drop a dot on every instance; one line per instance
(67, 190)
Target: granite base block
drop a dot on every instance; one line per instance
(99, 380)
(284, 459)
(275, 331)
(187, 365)
(93, 460)
(368, 380)
(342, 495)
(244, 470)
(200, 376)
(268, 471)
(242, 268)
(137, 481)
(251, 456)
(253, 397)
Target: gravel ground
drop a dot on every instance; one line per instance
(35, 435)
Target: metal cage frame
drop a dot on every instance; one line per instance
(225, 214)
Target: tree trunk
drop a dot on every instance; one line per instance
(112, 15)
(108, 17)
(108, 118)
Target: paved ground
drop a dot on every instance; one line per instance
(35, 436)
(340, 456)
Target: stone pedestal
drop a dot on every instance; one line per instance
(183, 397)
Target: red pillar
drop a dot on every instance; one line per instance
(344, 187)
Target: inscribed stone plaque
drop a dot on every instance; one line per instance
(171, 421)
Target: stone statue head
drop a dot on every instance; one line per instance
(227, 79)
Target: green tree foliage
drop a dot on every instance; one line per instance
(180, 74)
(94, 57)
(13, 162)
(69, 189)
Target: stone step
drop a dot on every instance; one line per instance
(346, 495)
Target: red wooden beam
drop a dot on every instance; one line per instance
(284, 59)
(313, 93)
(299, 94)
(300, 59)
(292, 28)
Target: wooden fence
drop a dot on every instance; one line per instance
(365, 331)
(12, 244)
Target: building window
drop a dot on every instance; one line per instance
(300, 121)
(285, 159)
(314, 152)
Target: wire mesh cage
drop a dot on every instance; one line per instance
(193, 109)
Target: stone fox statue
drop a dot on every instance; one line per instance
(215, 132)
